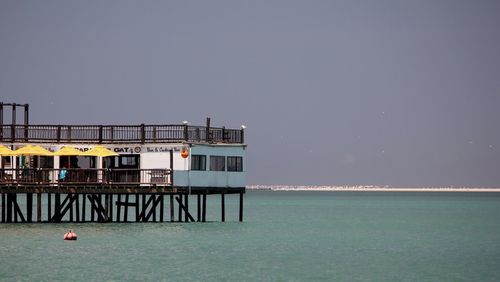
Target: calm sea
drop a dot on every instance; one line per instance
(286, 236)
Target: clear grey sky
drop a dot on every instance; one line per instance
(399, 93)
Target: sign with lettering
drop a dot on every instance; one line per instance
(125, 149)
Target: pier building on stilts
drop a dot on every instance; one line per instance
(117, 173)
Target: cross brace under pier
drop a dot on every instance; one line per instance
(108, 207)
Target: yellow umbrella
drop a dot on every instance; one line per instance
(100, 151)
(69, 151)
(4, 151)
(30, 150)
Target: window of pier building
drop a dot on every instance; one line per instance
(127, 165)
(198, 162)
(234, 163)
(122, 161)
(217, 163)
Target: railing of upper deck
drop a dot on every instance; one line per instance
(119, 134)
(85, 177)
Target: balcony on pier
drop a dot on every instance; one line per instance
(116, 134)
(85, 177)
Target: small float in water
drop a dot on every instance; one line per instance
(70, 235)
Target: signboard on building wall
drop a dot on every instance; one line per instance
(125, 149)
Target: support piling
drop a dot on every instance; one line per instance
(106, 206)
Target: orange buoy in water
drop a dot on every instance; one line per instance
(184, 152)
(70, 235)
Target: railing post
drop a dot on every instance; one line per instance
(242, 135)
(186, 137)
(13, 123)
(26, 121)
(207, 131)
(26, 114)
(223, 134)
(14, 115)
(26, 133)
(13, 133)
(100, 134)
(143, 133)
(1, 121)
(58, 133)
(198, 134)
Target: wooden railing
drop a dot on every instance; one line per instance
(79, 176)
(119, 134)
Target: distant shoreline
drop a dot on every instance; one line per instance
(368, 189)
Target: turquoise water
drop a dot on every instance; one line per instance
(286, 236)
